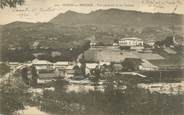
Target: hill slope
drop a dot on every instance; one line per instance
(72, 28)
(116, 16)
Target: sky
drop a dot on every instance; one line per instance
(45, 10)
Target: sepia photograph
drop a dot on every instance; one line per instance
(91, 57)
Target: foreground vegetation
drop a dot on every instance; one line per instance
(4, 68)
(13, 94)
(113, 101)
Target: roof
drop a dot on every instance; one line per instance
(70, 67)
(102, 63)
(117, 65)
(62, 63)
(40, 62)
(91, 65)
(132, 38)
(70, 71)
(148, 64)
(14, 63)
(36, 43)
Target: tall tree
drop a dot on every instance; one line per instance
(10, 3)
(4, 69)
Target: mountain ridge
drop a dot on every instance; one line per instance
(111, 11)
(115, 16)
(105, 25)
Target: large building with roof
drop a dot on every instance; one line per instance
(42, 65)
(132, 41)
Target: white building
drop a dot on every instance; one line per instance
(42, 65)
(104, 63)
(90, 66)
(115, 44)
(93, 44)
(69, 71)
(93, 41)
(13, 65)
(133, 41)
(55, 53)
(35, 44)
(61, 64)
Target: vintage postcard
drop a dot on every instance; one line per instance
(91, 57)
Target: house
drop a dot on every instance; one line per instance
(59, 73)
(35, 44)
(55, 53)
(104, 63)
(65, 68)
(13, 65)
(79, 64)
(115, 44)
(61, 64)
(93, 41)
(42, 65)
(69, 71)
(133, 41)
(38, 54)
(90, 66)
(45, 78)
(137, 48)
(151, 43)
(117, 67)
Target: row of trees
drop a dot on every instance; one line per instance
(26, 54)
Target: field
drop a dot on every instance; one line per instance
(170, 51)
(111, 54)
(107, 55)
(149, 56)
(170, 59)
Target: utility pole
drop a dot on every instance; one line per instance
(160, 76)
(172, 24)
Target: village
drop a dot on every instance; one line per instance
(102, 58)
(128, 57)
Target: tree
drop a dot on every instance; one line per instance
(13, 94)
(116, 41)
(4, 69)
(131, 64)
(34, 75)
(24, 74)
(10, 3)
(77, 70)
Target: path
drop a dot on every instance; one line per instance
(132, 73)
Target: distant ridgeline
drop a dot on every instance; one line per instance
(117, 17)
(69, 30)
